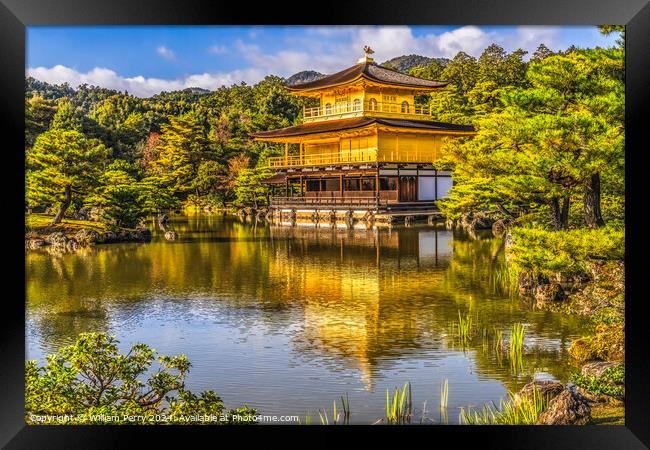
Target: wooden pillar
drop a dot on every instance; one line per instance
(302, 194)
(286, 186)
(377, 186)
(286, 153)
(341, 184)
(398, 185)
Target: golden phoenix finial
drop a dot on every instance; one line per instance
(368, 51)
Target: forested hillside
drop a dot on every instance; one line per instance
(304, 77)
(136, 156)
(407, 62)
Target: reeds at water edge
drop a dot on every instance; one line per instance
(399, 406)
(444, 393)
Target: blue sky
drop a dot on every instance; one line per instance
(148, 59)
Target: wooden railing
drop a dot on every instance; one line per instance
(353, 108)
(349, 156)
(368, 202)
(343, 156)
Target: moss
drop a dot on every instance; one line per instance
(40, 224)
(608, 413)
(607, 344)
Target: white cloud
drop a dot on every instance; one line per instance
(287, 62)
(324, 49)
(217, 49)
(387, 42)
(165, 52)
(471, 40)
(330, 49)
(529, 38)
(139, 85)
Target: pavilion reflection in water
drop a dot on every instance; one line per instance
(355, 310)
(390, 295)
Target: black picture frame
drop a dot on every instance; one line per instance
(15, 15)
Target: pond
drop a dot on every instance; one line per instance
(287, 320)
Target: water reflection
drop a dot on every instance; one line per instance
(301, 315)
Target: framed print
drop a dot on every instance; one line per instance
(390, 219)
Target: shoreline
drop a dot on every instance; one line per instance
(71, 235)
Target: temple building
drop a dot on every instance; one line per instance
(366, 151)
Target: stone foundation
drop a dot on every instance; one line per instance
(330, 218)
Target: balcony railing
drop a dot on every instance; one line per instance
(367, 107)
(372, 202)
(349, 157)
(343, 156)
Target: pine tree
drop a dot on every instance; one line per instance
(65, 165)
(183, 145)
(117, 195)
(548, 145)
(38, 116)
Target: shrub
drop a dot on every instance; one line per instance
(199, 203)
(90, 380)
(611, 383)
(545, 253)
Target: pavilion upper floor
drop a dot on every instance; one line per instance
(360, 140)
(366, 89)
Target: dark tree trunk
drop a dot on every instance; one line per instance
(593, 217)
(564, 216)
(560, 213)
(64, 206)
(163, 220)
(503, 210)
(555, 213)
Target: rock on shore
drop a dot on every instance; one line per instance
(567, 408)
(62, 242)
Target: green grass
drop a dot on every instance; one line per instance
(516, 346)
(524, 411)
(517, 338)
(505, 280)
(464, 326)
(345, 403)
(444, 393)
(307, 420)
(399, 405)
(498, 340)
(337, 416)
(41, 223)
(608, 414)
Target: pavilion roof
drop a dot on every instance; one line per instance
(371, 71)
(357, 122)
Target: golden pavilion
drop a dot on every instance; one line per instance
(367, 149)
